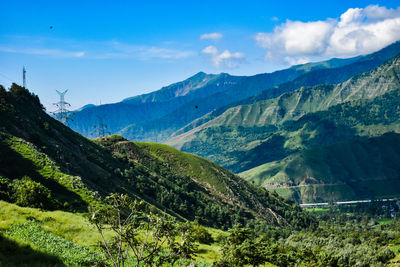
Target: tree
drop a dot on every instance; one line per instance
(241, 248)
(140, 236)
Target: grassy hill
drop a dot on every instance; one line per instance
(362, 169)
(71, 171)
(269, 131)
(242, 128)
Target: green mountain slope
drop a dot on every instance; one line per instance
(271, 133)
(347, 121)
(156, 116)
(239, 127)
(76, 171)
(362, 169)
(150, 106)
(337, 70)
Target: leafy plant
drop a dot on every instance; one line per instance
(140, 236)
(70, 253)
(28, 193)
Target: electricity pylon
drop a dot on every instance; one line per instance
(62, 112)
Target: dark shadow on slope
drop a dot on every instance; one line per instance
(15, 166)
(14, 254)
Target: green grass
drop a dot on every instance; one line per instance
(318, 210)
(70, 226)
(385, 221)
(70, 253)
(19, 254)
(191, 165)
(66, 228)
(47, 169)
(56, 236)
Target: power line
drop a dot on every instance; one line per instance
(7, 81)
(5, 76)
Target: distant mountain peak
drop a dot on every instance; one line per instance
(200, 73)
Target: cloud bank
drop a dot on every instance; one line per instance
(142, 52)
(212, 36)
(357, 31)
(225, 58)
(43, 52)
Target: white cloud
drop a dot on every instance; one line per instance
(116, 49)
(225, 59)
(43, 52)
(212, 36)
(64, 48)
(297, 60)
(357, 31)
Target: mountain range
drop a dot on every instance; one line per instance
(267, 139)
(261, 126)
(75, 172)
(158, 115)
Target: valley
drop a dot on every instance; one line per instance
(296, 167)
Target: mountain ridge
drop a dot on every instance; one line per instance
(339, 73)
(77, 172)
(191, 97)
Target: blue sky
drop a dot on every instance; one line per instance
(110, 50)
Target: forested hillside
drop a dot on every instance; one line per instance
(268, 131)
(73, 172)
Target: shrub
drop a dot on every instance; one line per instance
(4, 189)
(202, 235)
(28, 193)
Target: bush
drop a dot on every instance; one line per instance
(4, 189)
(28, 193)
(202, 235)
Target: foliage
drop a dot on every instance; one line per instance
(28, 193)
(241, 248)
(31, 232)
(341, 240)
(202, 235)
(79, 172)
(75, 227)
(5, 189)
(14, 254)
(141, 237)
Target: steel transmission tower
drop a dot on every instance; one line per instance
(62, 112)
(101, 128)
(24, 77)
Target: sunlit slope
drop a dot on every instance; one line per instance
(77, 171)
(211, 186)
(367, 168)
(332, 74)
(267, 138)
(295, 104)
